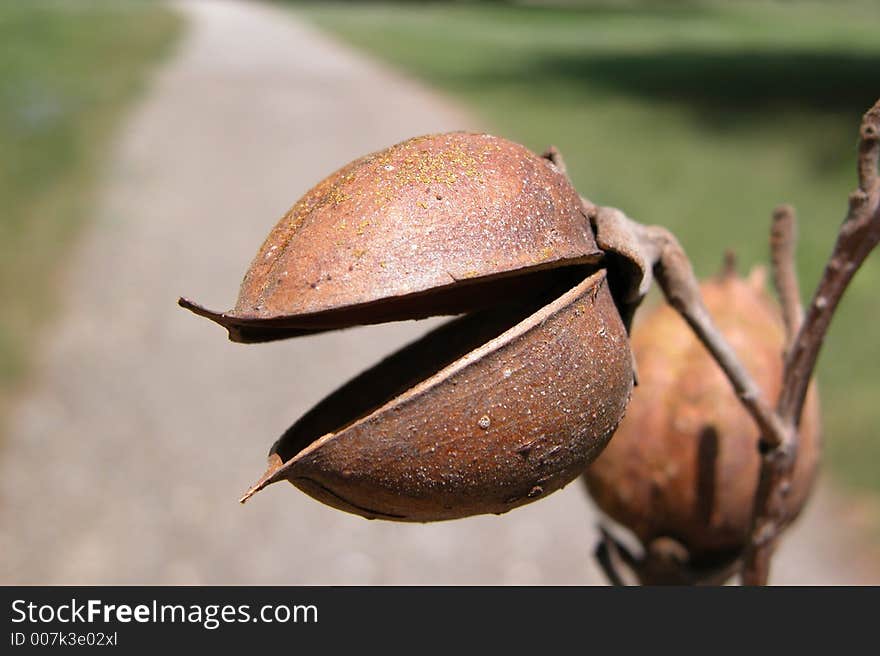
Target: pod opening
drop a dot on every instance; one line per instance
(422, 359)
(461, 296)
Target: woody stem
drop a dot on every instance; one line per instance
(858, 236)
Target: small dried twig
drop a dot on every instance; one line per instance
(679, 284)
(552, 153)
(858, 236)
(665, 561)
(660, 255)
(783, 237)
(614, 559)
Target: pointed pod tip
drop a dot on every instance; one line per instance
(201, 310)
(251, 492)
(184, 302)
(269, 477)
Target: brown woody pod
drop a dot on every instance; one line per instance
(492, 410)
(441, 224)
(684, 464)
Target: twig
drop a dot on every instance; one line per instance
(660, 254)
(552, 153)
(614, 559)
(664, 561)
(676, 278)
(858, 236)
(783, 238)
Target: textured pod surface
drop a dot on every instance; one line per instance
(520, 401)
(684, 463)
(434, 225)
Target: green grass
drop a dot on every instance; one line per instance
(701, 116)
(67, 72)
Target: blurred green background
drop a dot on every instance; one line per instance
(701, 116)
(67, 72)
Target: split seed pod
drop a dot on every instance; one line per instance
(684, 464)
(499, 407)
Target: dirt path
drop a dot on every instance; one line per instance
(143, 424)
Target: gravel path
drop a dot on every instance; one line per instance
(142, 424)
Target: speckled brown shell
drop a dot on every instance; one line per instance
(509, 416)
(433, 225)
(684, 463)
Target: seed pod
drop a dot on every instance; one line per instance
(441, 224)
(488, 412)
(684, 464)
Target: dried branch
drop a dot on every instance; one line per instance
(858, 236)
(658, 254)
(676, 278)
(783, 238)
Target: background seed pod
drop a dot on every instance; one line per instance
(684, 463)
(441, 224)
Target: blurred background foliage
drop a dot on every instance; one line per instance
(67, 70)
(699, 115)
